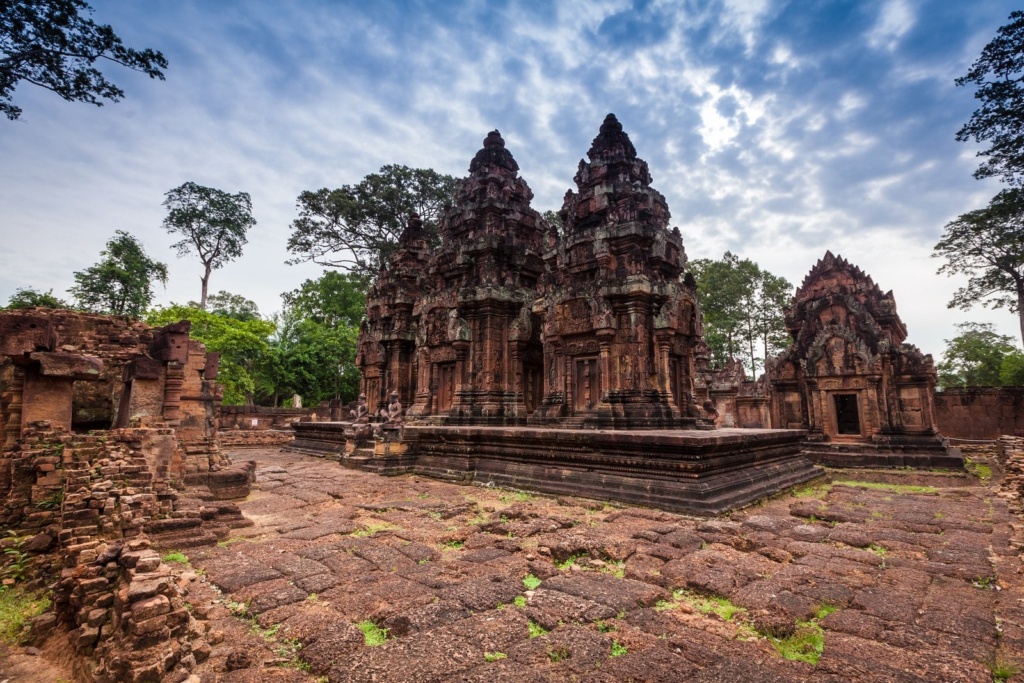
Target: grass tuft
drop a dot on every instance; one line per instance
(494, 656)
(520, 601)
(805, 644)
(175, 556)
(708, 604)
(373, 634)
(531, 582)
(536, 629)
(824, 610)
(618, 649)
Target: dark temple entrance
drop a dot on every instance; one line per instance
(847, 417)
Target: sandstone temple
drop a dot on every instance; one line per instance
(512, 321)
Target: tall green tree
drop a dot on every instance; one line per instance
(988, 246)
(212, 223)
(54, 44)
(357, 226)
(979, 356)
(27, 297)
(243, 346)
(742, 306)
(122, 282)
(998, 75)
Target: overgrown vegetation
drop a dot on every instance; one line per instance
(979, 470)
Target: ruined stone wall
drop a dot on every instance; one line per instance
(112, 339)
(980, 412)
(259, 417)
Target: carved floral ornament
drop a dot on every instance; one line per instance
(821, 348)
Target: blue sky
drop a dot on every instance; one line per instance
(775, 129)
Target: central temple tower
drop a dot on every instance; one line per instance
(620, 327)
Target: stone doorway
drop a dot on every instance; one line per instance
(847, 414)
(586, 389)
(445, 386)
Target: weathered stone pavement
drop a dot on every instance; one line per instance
(899, 584)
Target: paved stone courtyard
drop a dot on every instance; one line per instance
(904, 582)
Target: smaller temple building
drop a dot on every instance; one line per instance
(864, 395)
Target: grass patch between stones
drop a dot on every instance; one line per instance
(531, 582)
(707, 604)
(890, 488)
(17, 606)
(805, 644)
(536, 630)
(494, 656)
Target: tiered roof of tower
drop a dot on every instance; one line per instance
(834, 280)
(616, 221)
(491, 236)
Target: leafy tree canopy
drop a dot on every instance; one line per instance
(999, 76)
(314, 360)
(978, 357)
(554, 219)
(230, 306)
(334, 299)
(122, 282)
(243, 345)
(742, 306)
(27, 297)
(314, 352)
(988, 246)
(212, 223)
(54, 45)
(357, 226)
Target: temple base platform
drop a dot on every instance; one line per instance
(688, 471)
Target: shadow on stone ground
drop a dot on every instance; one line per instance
(896, 583)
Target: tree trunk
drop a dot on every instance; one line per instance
(206, 281)
(1020, 311)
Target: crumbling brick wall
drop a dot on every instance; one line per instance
(85, 502)
(980, 412)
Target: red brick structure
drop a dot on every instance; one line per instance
(864, 395)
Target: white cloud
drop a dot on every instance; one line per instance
(894, 20)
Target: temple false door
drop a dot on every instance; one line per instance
(676, 382)
(533, 389)
(445, 386)
(586, 387)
